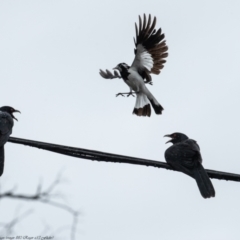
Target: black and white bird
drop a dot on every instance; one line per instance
(184, 155)
(150, 54)
(6, 125)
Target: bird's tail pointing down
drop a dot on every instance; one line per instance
(142, 105)
(203, 181)
(155, 104)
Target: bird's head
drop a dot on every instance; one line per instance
(121, 67)
(176, 137)
(9, 110)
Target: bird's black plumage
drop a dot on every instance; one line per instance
(124, 71)
(184, 155)
(150, 54)
(152, 41)
(6, 125)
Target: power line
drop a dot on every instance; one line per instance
(109, 157)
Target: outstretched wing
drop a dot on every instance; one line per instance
(151, 48)
(109, 75)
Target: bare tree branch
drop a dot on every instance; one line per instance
(74, 226)
(108, 157)
(8, 227)
(43, 197)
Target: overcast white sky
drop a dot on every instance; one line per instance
(50, 56)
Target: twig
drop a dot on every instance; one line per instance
(108, 157)
(43, 197)
(9, 226)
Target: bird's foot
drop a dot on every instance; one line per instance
(120, 94)
(128, 94)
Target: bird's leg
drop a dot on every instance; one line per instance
(131, 94)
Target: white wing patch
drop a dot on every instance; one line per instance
(143, 59)
(150, 48)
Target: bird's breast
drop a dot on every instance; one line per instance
(134, 80)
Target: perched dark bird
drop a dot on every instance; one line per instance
(150, 54)
(6, 124)
(184, 155)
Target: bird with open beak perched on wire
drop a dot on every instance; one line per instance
(150, 54)
(6, 125)
(184, 156)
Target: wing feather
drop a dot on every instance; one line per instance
(187, 153)
(140, 24)
(6, 124)
(151, 49)
(109, 75)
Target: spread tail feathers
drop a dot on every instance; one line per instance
(1, 160)
(203, 181)
(142, 105)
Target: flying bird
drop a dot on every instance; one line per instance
(6, 125)
(184, 155)
(150, 54)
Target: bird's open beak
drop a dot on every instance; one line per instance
(168, 135)
(13, 115)
(17, 111)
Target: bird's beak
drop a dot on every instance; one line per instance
(116, 68)
(17, 111)
(13, 115)
(168, 135)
